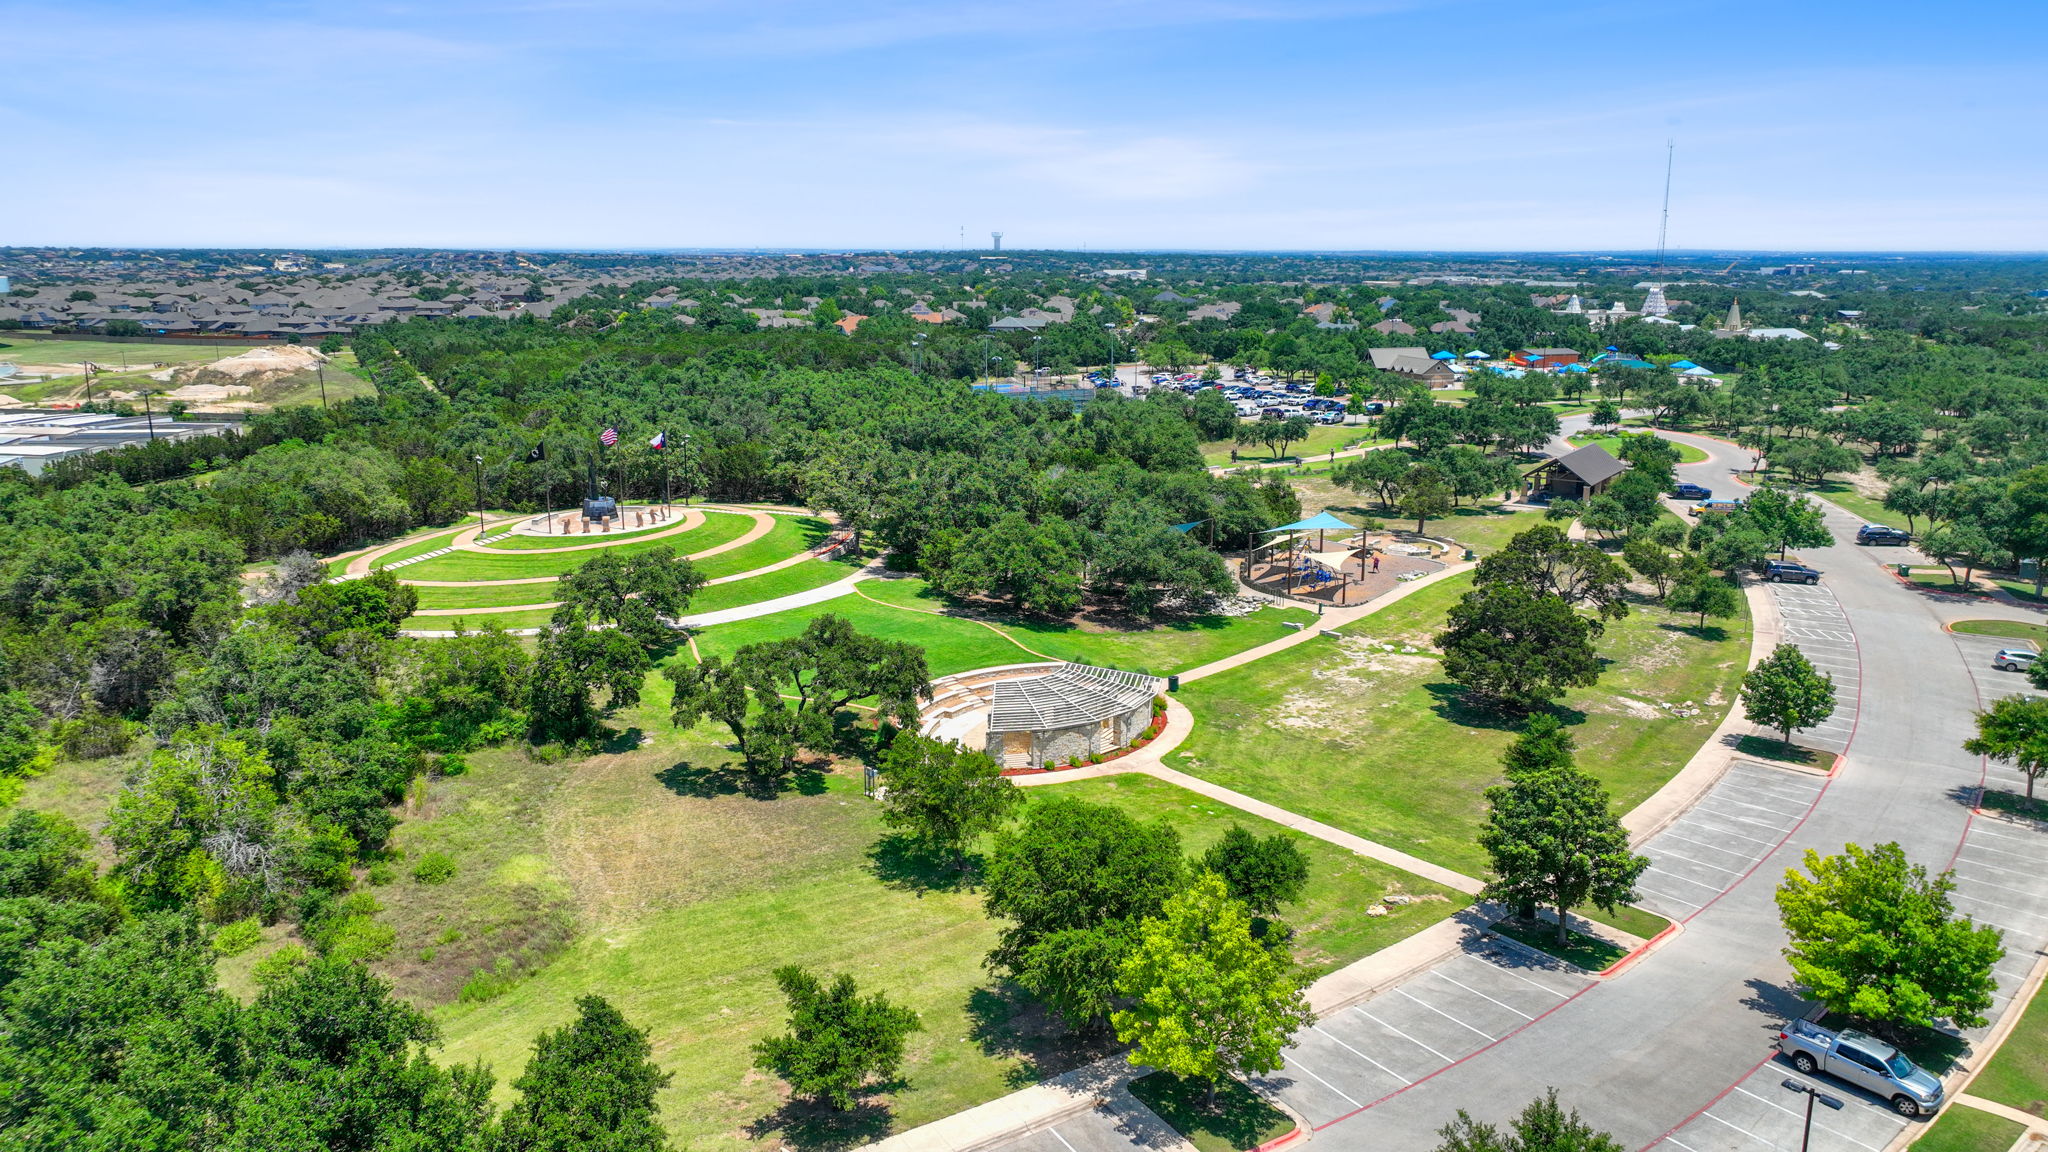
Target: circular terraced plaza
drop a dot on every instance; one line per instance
(1034, 716)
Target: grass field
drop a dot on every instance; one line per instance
(111, 354)
(2018, 1074)
(718, 528)
(484, 596)
(800, 577)
(790, 536)
(2011, 629)
(1378, 742)
(686, 898)
(1241, 1118)
(1843, 495)
(1321, 439)
(1961, 1128)
(1588, 952)
(1173, 646)
(1687, 454)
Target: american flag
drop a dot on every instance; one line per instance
(608, 437)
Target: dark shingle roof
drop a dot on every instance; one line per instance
(1592, 464)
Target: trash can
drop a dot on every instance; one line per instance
(1470, 555)
(1905, 571)
(1173, 683)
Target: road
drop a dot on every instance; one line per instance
(1674, 1052)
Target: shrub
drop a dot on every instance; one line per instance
(360, 939)
(279, 965)
(381, 874)
(92, 736)
(238, 937)
(434, 868)
(450, 765)
(486, 984)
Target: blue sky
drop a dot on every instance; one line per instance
(1106, 124)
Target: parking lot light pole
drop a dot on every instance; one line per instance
(1812, 1094)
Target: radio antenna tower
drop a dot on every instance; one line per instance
(1664, 224)
(998, 238)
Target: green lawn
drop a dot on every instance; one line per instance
(1843, 495)
(1938, 579)
(524, 618)
(1687, 454)
(17, 350)
(1332, 922)
(485, 596)
(2018, 1074)
(1172, 646)
(685, 899)
(1240, 1120)
(2011, 629)
(719, 528)
(1588, 952)
(1483, 529)
(799, 577)
(1629, 918)
(1321, 439)
(1961, 1128)
(790, 536)
(2023, 589)
(1379, 743)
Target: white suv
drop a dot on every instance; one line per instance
(2014, 659)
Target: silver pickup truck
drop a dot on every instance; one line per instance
(1866, 1062)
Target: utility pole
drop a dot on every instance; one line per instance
(148, 415)
(322, 370)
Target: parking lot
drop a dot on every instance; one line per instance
(1760, 1113)
(1353, 1058)
(1815, 623)
(1998, 882)
(1121, 1126)
(1741, 820)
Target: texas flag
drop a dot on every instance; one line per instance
(659, 442)
(608, 437)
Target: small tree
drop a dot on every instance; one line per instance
(2014, 732)
(1553, 840)
(1380, 473)
(1515, 648)
(1786, 519)
(1208, 999)
(1704, 594)
(1874, 937)
(632, 593)
(1544, 1126)
(1787, 692)
(837, 1038)
(589, 1085)
(1260, 874)
(1544, 744)
(1424, 496)
(944, 794)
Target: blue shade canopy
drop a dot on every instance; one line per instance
(1682, 365)
(1190, 526)
(1443, 355)
(1320, 522)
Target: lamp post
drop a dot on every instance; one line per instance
(689, 456)
(1115, 346)
(322, 370)
(479, 493)
(1812, 1094)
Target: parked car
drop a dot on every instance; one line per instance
(1691, 492)
(1865, 1061)
(2014, 659)
(1706, 506)
(1880, 534)
(1786, 572)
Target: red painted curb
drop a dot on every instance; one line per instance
(1615, 969)
(1282, 1141)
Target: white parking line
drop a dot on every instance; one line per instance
(2001, 907)
(1672, 835)
(1738, 819)
(1403, 1035)
(1062, 1139)
(1476, 992)
(1702, 863)
(1362, 1056)
(1980, 831)
(1531, 983)
(1686, 879)
(1817, 1124)
(1323, 1082)
(2001, 852)
(1694, 904)
(2003, 888)
(1757, 807)
(1728, 832)
(1680, 1143)
(1446, 1015)
(1991, 867)
(1744, 1131)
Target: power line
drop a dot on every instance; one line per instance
(1664, 224)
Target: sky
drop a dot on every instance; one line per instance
(1113, 125)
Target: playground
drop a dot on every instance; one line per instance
(1325, 561)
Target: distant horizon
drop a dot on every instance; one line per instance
(856, 250)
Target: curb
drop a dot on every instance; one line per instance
(1654, 943)
(1282, 1141)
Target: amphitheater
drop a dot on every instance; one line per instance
(1038, 715)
